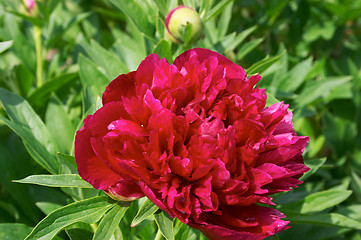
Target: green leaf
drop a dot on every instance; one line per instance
(5, 45)
(165, 224)
(79, 234)
(106, 60)
(162, 6)
(13, 231)
(248, 47)
(271, 100)
(356, 183)
(89, 210)
(63, 180)
(261, 66)
(216, 10)
(68, 165)
(110, 221)
(314, 164)
(57, 119)
(162, 49)
(240, 38)
(146, 210)
(294, 78)
(28, 125)
(224, 21)
(132, 9)
(316, 89)
(318, 201)
(329, 219)
(48, 207)
(22, 47)
(32, 20)
(90, 76)
(41, 95)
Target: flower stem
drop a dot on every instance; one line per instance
(39, 59)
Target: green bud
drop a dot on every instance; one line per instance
(184, 24)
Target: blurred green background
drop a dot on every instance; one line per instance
(56, 60)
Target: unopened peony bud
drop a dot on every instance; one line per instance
(30, 4)
(179, 20)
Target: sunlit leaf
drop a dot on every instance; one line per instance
(146, 210)
(63, 180)
(89, 210)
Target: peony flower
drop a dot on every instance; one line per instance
(178, 19)
(196, 138)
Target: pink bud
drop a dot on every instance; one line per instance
(30, 4)
(179, 18)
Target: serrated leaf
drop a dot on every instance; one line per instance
(110, 221)
(5, 45)
(146, 210)
(89, 210)
(62, 180)
(13, 231)
(165, 224)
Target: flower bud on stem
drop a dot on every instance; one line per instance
(184, 25)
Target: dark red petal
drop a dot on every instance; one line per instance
(104, 116)
(145, 70)
(125, 191)
(90, 167)
(269, 223)
(122, 86)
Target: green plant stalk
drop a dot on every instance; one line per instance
(39, 58)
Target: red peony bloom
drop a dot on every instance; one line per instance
(196, 139)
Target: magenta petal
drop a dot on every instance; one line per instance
(122, 86)
(144, 73)
(202, 55)
(90, 167)
(269, 223)
(125, 191)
